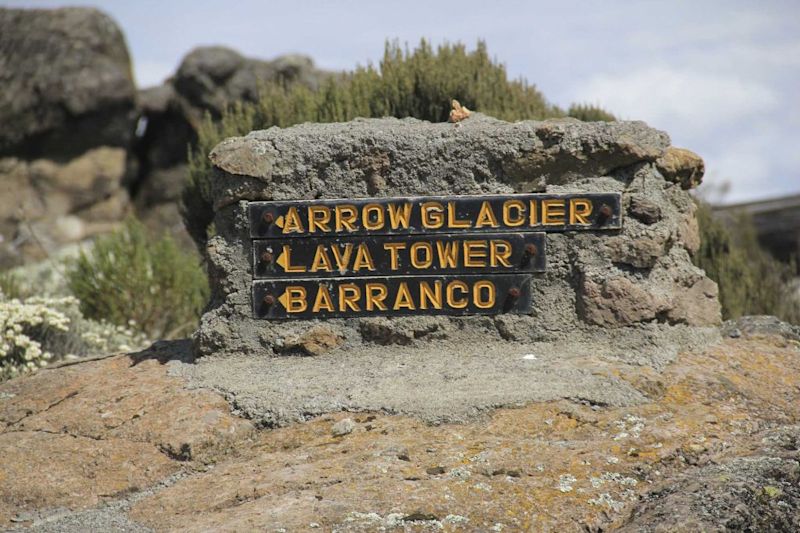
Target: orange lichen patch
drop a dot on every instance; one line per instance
(458, 112)
(555, 466)
(78, 435)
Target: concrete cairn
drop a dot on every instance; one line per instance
(635, 281)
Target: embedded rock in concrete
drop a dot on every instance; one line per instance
(682, 166)
(639, 276)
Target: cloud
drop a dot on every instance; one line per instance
(149, 73)
(675, 98)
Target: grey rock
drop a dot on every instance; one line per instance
(343, 427)
(47, 204)
(67, 82)
(766, 325)
(644, 210)
(760, 492)
(208, 80)
(642, 274)
(213, 77)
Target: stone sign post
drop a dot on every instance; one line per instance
(400, 231)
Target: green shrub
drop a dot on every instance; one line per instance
(751, 281)
(419, 83)
(129, 275)
(590, 113)
(10, 285)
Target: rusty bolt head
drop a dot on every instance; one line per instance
(269, 299)
(267, 257)
(605, 210)
(514, 292)
(268, 218)
(531, 249)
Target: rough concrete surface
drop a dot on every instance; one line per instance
(639, 275)
(441, 381)
(710, 443)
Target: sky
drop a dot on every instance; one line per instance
(721, 77)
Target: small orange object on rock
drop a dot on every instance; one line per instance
(458, 112)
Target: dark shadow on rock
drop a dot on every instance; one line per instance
(165, 351)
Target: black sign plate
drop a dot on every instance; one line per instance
(392, 296)
(386, 255)
(435, 214)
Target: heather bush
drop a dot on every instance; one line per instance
(419, 83)
(130, 275)
(590, 113)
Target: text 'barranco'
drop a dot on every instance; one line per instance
(455, 255)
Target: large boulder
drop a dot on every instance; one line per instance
(68, 113)
(641, 275)
(208, 80)
(67, 82)
(46, 204)
(214, 77)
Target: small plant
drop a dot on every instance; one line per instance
(750, 280)
(39, 330)
(23, 325)
(10, 285)
(590, 113)
(128, 275)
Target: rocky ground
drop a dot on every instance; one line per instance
(121, 443)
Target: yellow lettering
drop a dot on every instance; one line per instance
(363, 259)
(323, 299)
(486, 216)
(292, 222)
(375, 294)
(294, 299)
(342, 258)
(432, 215)
(368, 211)
(394, 248)
(452, 217)
(398, 218)
(452, 301)
(318, 217)
(553, 212)
(517, 220)
(579, 210)
(416, 260)
(285, 260)
(477, 298)
(349, 294)
(403, 299)
(499, 253)
(321, 260)
(345, 216)
(532, 214)
(473, 252)
(432, 295)
(448, 253)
